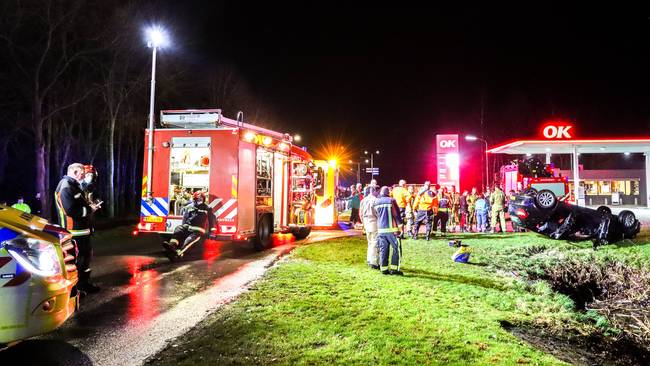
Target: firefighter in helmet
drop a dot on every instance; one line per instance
(74, 212)
(198, 220)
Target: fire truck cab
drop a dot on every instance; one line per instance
(531, 175)
(255, 180)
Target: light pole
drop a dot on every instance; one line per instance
(358, 169)
(156, 38)
(487, 174)
(372, 162)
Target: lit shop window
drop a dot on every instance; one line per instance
(628, 187)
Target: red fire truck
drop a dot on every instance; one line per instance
(256, 181)
(533, 175)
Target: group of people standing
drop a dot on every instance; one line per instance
(391, 214)
(442, 210)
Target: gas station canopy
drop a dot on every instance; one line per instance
(591, 146)
(558, 139)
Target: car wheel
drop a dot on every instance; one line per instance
(546, 199)
(530, 192)
(629, 223)
(262, 239)
(604, 211)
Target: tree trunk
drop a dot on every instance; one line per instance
(111, 168)
(48, 158)
(39, 150)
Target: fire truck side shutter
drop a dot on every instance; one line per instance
(279, 189)
(246, 187)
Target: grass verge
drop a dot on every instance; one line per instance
(323, 306)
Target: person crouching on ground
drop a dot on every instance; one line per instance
(388, 221)
(198, 221)
(369, 218)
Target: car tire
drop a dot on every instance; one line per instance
(262, 239)
(301, 233)
(546, 199)
(530, 192)
(629, 223)
(604, 211)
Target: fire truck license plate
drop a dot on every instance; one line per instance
(153, 219)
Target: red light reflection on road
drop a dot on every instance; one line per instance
(144, 290)
(281, 239)
(211, 250)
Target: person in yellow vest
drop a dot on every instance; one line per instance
(22, 206)
(424, 203)
(471, 208)
(402, 197)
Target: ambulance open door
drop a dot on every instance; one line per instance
(325, 191)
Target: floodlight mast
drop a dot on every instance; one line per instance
(156, 38)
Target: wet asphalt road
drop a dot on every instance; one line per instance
(146, 300)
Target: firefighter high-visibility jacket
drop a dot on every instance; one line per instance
(72, 208)
(388, 217)
(425, 202)
(443, 203)
(198, 217)
(401, 196)
(471, 201)
(497, 200)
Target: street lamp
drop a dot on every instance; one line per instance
(297, 138)
(372, 161)
(156, 38)
(487, 174)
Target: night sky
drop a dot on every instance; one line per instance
(391, 77)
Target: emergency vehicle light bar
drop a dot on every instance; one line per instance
(191, 118)
(211, 118)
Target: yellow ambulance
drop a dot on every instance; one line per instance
(38, 276)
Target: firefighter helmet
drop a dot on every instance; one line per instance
(199, 194)
(90, 169)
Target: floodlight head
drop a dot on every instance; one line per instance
(471, 138)
(156, 37)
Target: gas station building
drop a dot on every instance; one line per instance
(596, 186)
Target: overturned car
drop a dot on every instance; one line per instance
(544, 213)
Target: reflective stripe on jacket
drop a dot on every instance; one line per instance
(72, 208)
(388, 217)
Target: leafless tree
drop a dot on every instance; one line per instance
(40, 42)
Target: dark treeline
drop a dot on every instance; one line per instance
(74, 87)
